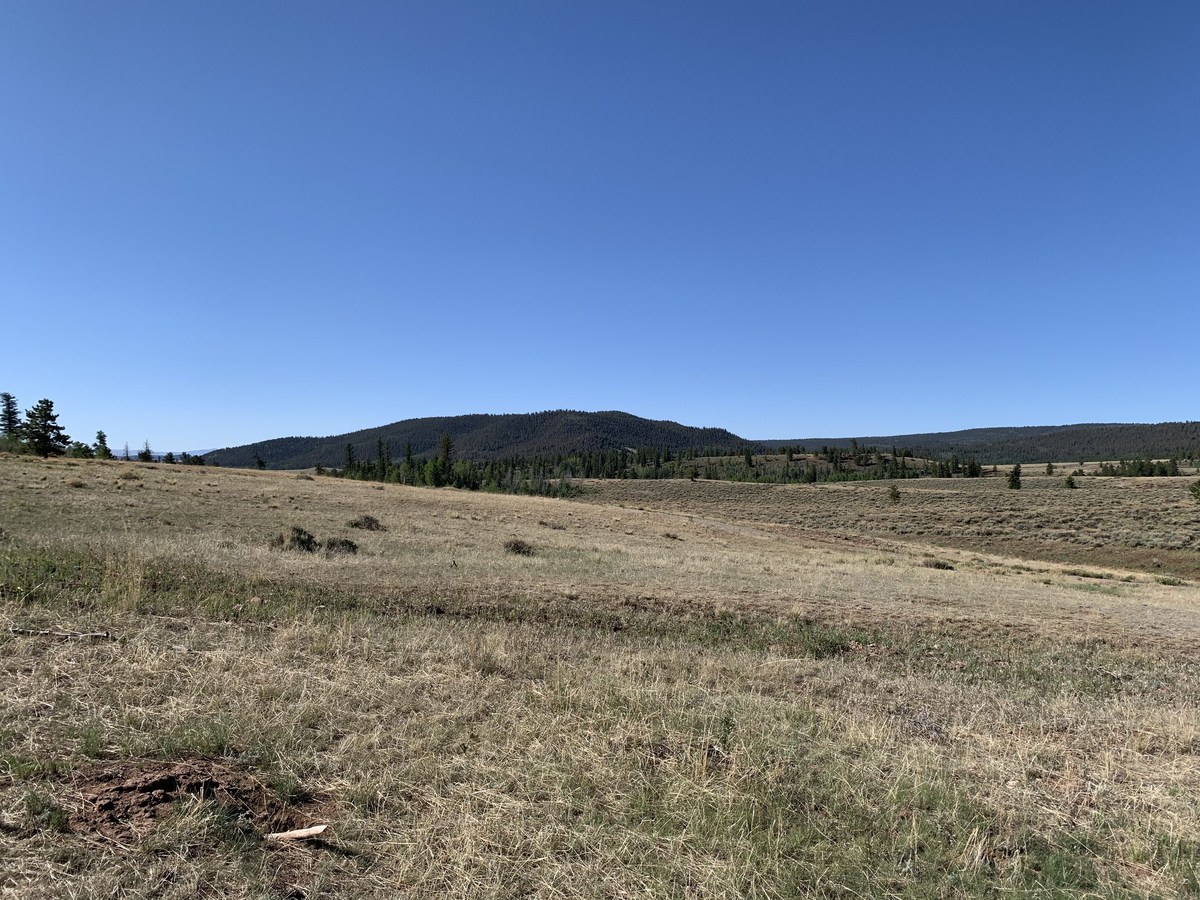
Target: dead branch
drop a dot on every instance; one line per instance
(65, 635)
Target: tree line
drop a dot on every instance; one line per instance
(1141, 468)
(38, 432)
(557, 474)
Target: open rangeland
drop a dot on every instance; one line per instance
(661, 690)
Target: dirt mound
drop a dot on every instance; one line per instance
(125, 800)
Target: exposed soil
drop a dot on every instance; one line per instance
(126, 799)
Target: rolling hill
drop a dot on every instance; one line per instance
(1035, 443)
(483, 437)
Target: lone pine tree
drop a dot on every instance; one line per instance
(1014, 478)
(42, 432)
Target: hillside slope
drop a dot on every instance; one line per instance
(1034, 443)
(483, 437)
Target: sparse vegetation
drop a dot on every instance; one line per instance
(621, 716)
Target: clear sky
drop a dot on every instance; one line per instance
(222, 222)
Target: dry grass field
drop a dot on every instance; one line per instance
(681, 690)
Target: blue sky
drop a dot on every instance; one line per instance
(230, 221)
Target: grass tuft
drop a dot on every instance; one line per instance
(337, 546)
(518, 547)
(295, 538)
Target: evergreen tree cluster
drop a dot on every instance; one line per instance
(558, 474)
(40, 433)
(1141, 468)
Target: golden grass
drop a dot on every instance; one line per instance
(779, 699)
(1146, 524)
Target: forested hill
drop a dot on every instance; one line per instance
(483, 437)
(1038, 443)
(493, 437)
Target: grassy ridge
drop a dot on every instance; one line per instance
(622, 713)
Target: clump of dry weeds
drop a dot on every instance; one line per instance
(295, 538)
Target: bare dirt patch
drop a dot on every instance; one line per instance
(127, 799)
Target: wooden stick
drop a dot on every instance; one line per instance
(297, 835)
(49, 632)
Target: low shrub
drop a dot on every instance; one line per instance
(519, 547)
(334, 546)
(367, 523)
(295, 538)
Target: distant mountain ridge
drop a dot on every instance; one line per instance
(482, 437)
(1035, 443)
(488, 436)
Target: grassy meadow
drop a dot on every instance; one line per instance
(682, 690)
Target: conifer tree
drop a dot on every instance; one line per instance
(384, 455)
(10, 419)
(101, 446)
(42, 432)
(1014, 478)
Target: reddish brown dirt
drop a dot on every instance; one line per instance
(125, 800)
